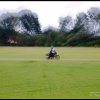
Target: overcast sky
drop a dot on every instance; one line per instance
(49, 11)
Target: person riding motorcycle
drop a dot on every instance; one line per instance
(52, 52)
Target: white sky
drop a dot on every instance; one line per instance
(49, 11)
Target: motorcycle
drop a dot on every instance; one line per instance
(56, 56)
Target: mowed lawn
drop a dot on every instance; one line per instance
(26, 73)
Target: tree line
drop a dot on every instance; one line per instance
(24, 29)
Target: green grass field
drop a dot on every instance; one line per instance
(25, 73)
